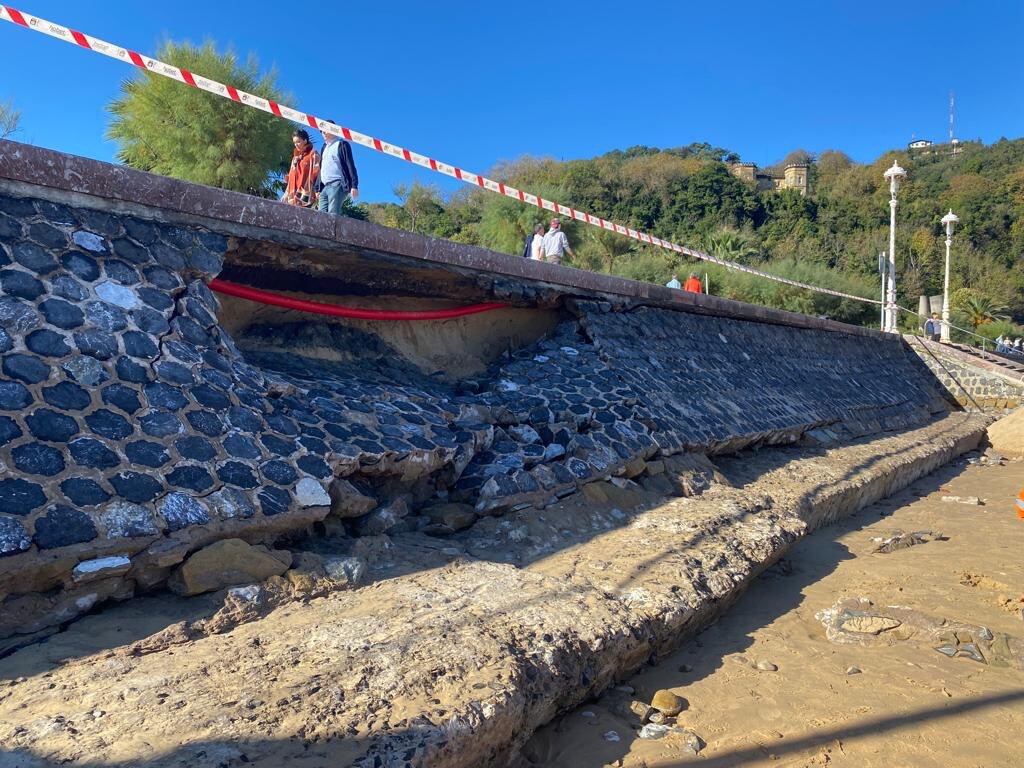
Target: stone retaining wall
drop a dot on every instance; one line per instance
(970, 382)
(133, 429)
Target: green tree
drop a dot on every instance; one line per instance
(834, 233)
(168, 128)
(10, 118)
(609, 247)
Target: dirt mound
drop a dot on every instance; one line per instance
(1007, 434)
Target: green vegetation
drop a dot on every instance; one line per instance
(831, 238)
(163, 127)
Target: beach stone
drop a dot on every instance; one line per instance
(83, 492)
(453, 515)
(181, 510)
(347, 501)
(655, 468)
(947, 649)
(853, 670)
(382, 518)
(668, 703)
(122, 519)
(346, 570)
(971, 651)
(19, 496)
(653, 731)
(101, 568)
(225, 563)
(635, 467)
(13, 537)
(61, 526)
(86, 370)
(869, 625)
(310, 493)
(89, 241)
(595, 492)
(230, 504)
(766, 666)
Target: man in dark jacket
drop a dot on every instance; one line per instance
(337, 174)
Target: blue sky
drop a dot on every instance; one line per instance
(473, 83)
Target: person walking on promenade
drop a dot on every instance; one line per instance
(534, 246)
(537, 244)
(304, 173)
(338, 175)
(556, 243)
(933, 327)
(692, 284)
(674, 282)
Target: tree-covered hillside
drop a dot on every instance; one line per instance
(832, 237)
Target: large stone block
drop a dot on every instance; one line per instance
(225, 563)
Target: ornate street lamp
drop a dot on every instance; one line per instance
(949, 220)
(894, 176)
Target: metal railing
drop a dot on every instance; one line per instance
(983, 339)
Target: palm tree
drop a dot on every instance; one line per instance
(981, 310)
(731, 245)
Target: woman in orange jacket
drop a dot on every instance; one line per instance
(303, 173)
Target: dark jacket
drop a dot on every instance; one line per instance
(527, 249)
(348, 164)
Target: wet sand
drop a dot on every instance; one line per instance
(909, 705)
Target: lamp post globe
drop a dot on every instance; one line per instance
(949, 222)
(894, 176)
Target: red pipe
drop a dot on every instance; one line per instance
(333, 310)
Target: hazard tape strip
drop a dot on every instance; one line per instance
(194, 80)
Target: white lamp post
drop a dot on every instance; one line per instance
(950, 220)
(894, 176)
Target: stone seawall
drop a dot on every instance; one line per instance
(133, 428)
(970, 382)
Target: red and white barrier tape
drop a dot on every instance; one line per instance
(229, 92)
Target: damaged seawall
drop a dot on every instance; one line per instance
(135, 429)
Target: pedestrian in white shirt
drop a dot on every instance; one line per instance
(537, 244)
(556, 243)
(674, 283)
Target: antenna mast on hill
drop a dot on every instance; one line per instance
(952, 118)
(952, 113)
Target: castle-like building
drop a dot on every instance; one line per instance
(794, 176)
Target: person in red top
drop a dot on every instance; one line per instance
(303, 173)
(692, 284)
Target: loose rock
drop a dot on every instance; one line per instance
(223, 564)
(668, 703)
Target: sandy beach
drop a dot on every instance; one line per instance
(892, 703)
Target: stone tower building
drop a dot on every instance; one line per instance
(794, 176)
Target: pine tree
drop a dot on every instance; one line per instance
(168, 128)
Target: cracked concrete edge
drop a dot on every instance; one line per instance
(489, 734)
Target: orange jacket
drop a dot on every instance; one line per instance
(302, 177)
(692, 285)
